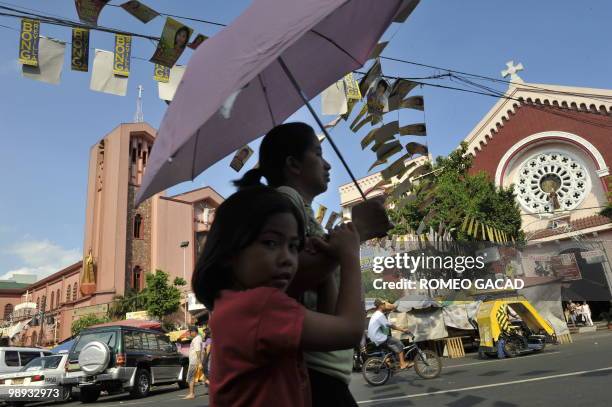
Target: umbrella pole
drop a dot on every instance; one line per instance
(323, 129)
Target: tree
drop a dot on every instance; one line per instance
(367, 279)
(450, 194)
(132, 301)
(161, 298)
(87, 321)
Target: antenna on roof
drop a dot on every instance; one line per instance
(139, 116)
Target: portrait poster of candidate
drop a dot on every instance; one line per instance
(172, 43)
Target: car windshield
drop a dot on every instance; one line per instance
(47, 362)
(105, 337)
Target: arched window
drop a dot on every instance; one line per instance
(74, 291)
(57, 298)
(8, 309)
(52, 303)
(43, 303)
(38, 304)
(68, 293)
(136, 278)
(138, 227)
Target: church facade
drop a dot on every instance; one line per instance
(552, 143)
(121, 242)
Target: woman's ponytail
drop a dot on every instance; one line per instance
(251, 178)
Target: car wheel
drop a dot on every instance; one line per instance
(67, 393)
(142, 384)
(89, 394)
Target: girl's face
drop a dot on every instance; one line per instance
(272, 259)
(314, 169)
(181, 38)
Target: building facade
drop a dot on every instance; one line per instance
(121, 242)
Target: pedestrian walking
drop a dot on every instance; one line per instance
(195, 350)
(249, 259)
(572, 312)
(291, 160)
(586, 311)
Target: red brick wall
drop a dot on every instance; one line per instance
(528, 120)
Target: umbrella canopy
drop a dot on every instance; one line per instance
(235, 87)
(415, 302)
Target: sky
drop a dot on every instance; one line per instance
(46, 131)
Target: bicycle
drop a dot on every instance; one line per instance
(379, 368)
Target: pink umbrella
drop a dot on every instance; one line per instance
(258, 71)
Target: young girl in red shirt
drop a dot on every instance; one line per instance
(248, 261)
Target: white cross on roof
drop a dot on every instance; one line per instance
(512, 70)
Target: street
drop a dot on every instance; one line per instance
(577, 374)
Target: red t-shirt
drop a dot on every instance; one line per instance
(257, 359)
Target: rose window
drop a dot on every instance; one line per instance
(550, 182)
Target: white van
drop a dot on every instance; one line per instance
(12, 359)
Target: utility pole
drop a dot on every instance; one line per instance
(184, 246)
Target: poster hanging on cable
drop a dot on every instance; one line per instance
(172, 43)
(28, 42)
(166, 90)
(161, 73)
(79, 60)
(89, 10)
(332, 220)
(321, 213)
(378, 99)
(50, 62)
(240, 158)
(123, 50)
(140, 11)
(199, 39)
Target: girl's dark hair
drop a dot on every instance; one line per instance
(285, 140)
(238, 222)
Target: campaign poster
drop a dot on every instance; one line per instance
(378, 99)
(240, 158)
(89, 10)
(28, 42)
(199, 39)
(161, 73)
(320, 213)
(172, 43)
(140, 11)
(123, 50)
(79, 60)
(332, 220)
(566, 267)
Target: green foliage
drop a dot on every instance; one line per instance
(179, 282)
(607, 211)
(450, 194)
(87, 321)
(367, 279)
(161, 298)
(132, 301)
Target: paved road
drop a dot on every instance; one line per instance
(573, 375)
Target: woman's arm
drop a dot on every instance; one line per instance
(343, 329)
(327, 296)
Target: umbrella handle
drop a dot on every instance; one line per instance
(323, 129)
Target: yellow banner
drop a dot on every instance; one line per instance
(351, 87)
(321, 213)
(161, 73)
(28, 42)
(80, 50)
(123, 50)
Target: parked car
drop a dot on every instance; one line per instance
(12, 359)
(39, 372)
(122, 358)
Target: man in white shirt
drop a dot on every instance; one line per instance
(379, 333)
(586, 311)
